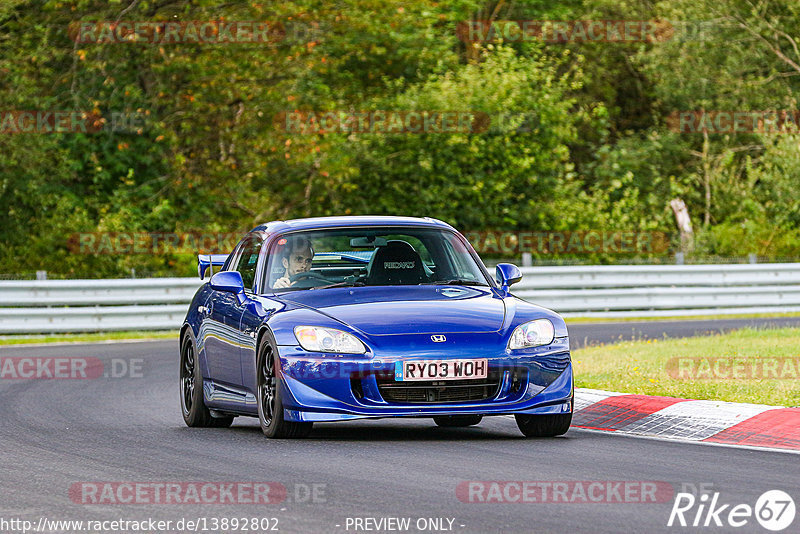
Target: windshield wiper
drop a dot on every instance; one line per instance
(355, 283)
(455, 282)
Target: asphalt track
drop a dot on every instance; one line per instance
(56, 433)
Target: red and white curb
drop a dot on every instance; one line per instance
(728, 423)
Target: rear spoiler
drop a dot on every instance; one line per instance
(204, 261)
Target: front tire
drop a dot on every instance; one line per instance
(544, 426)
(193, 407)
(268, 389)
(454, 421)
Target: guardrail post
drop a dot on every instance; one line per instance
(41, 275)
(527, 259)
(679, 258)
(752, 258)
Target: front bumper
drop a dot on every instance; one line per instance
(318, 388)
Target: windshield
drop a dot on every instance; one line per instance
(319, 259)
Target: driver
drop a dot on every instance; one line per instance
(296, 259)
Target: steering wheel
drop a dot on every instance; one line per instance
(310, 275)
(307, 274)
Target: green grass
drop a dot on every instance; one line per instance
(577, 320)
(641, 367)
(87, 338)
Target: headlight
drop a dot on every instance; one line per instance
(319, 339)
(532, 334)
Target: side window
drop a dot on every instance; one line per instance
(246, 265)
(461, 260)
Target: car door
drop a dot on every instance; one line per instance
(224, 338)
(255, 311)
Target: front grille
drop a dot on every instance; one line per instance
(428, 392)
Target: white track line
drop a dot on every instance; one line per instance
(682, 440)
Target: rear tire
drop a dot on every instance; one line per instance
(268, 394)
(193, 407)
(452, 421)
(544, 426)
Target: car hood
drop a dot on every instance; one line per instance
(407, 309)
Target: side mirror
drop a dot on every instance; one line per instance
(506, 274)
(230, 281)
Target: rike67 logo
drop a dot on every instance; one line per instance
(774, 510)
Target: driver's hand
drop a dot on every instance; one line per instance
(282, 282)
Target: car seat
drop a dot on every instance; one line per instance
(397, 263)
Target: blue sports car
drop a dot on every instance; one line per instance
(339, 318)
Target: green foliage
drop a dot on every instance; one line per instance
(211, 156)
(499, 178)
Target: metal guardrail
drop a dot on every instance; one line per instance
(31, 306)
(611, 276)
(584, 291)
(25, 293)
(663, 290)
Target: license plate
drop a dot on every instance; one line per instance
(410, 370)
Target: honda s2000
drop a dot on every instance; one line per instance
(339, 318)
